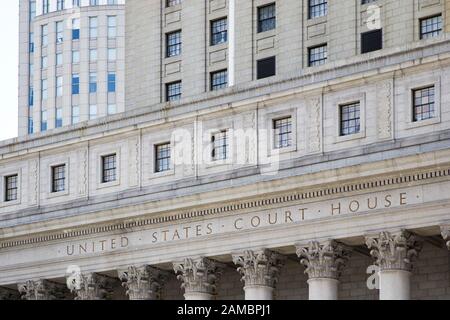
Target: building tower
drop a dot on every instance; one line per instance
(71, 64)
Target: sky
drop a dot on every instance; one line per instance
(9, 38)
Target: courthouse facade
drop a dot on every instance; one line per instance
(268, 149)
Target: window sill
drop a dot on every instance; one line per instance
(422, 123)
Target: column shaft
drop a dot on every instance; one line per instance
(395, 285)
(323, 289)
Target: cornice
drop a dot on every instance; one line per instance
(399, 179)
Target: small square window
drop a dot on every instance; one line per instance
(424, 104)
(173, 91)
(350, 119)
(372, 41)
(317, 55)
(58, 178)
(11, 188)
(219, 80)
(162, 159)
(109, 167)
(266, 68)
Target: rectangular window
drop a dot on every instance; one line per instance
(112, 54)
(350, 119)
(44, 62)
(317, 55)
(44, 89)
(171, 3)
(59, 86)
(31, 40)
(173, 43)
(59, 118)
(318, 8)
(92, 82)
(93, 55)
(92, 111)
(266, 18)
(424, 103)
(59, 31)
(430, 27)
(44, 124)
(58, 178)
(219, 80)
(371, 41)
(93, 27)
(111, 82)
(11, 188)
(44, 35)
(75, 56)
(112, 27)
(45, 6)
(60, 5)
(266, 68)
(75, 114)
(219, 145)
(109, 167)
(283, 133)
(75, 29)
(112, 109)
(75, 84)
(219, 31)
(162, 152)
(59, 59)
(173, 91)
(31, 97)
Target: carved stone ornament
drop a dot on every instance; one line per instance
(394, 251)
(323, 259)
(143, 283)
(259, 267)
(41, 290)
(91, 286)
(198, 275)
(445, 232)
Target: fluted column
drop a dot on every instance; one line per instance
(445, 232)
(199, 278)
(91, 286)
(143, 283)
(394, 254)
(259, 270)
(41, 290)
(324, 262)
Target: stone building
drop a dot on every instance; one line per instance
(71, 62)
(268, 150)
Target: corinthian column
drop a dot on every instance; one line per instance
(259, 270)
(91, 286)
(143, 283)
(324, 262)
(445, 231)
(41, 290)
(199, 278)
(394, 254)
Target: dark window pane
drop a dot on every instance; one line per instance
(350, 119)
(266, 18)
(109, 167)
(266, 68)
(424, 104)
(372, 41)
(162, 157)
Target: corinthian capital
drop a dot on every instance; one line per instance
(323, 259)
(91, 286)
(41, 290)
(259, 267)
(143, 283)
(445, 231)
(394, 251)
(198, 275)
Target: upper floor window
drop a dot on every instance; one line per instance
(59, 86)
(93, 2)
(31, 40)
(350, 119)
(266, 68)
(75, 114)
(44, 35)
(283, 132)
(219, 80)
(173, 41)
(59, 31)
(112, 27)
(76, 3)
(162, 159)
(171, 3)
(173, 91)
(75, 83)
(372, 41)
(58, 118)
(44, 121)
(58, 178)
(92, 82)
(92, 111)
(430, 27)
(112, 82)
(112, 2)
(109, 167)
(32, 10)
(93, 27)
(317, 8)
(317, 55)
(367, 1)
(44, 89)
(45, 6)
(75, 29)
(60, 5)
(219, 31)
(219, 142)
(11, 187)
(424, 103)
(266, 18)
